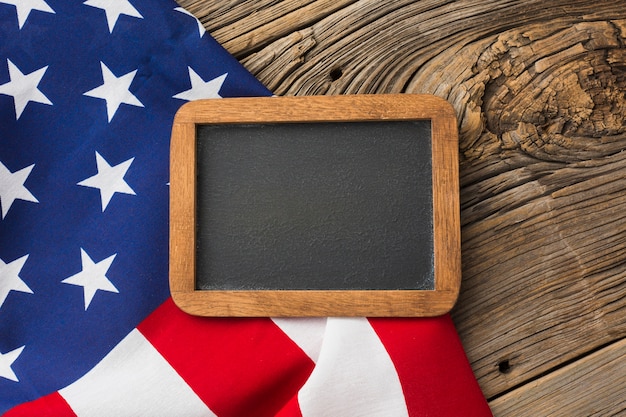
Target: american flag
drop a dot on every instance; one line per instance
(88, 91)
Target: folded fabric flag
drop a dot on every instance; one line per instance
(88, 91)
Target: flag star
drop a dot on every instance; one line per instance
(201, 28)
(109, 179)
(24, 88)
(113, 9)
(10, 279)
(12, 187)
(24, 7)
(115, 90)
(6, 361)
(201, 89)
(92, 277)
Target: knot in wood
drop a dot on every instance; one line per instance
(543, 91)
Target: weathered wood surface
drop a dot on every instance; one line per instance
(591, 376)
(539, 88)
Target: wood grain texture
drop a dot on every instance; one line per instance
(599, 374)
(539, 91)
(358, 302)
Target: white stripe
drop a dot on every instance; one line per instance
(307, 333)
(133, 380)
(354, 375)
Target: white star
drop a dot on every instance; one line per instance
(6, 360)
(92, 277)
(114, 90)
(113, 10)
(109, 179)
(24, 88)
(24, 7)
(201, 89)
(201, 28)
(10, 279)
(12, 187)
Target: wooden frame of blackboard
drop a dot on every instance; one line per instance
(316, 109)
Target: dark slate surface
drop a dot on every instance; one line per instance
(315, 206)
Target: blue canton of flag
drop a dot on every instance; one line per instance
(88, 91)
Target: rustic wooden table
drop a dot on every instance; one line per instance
(539, 87)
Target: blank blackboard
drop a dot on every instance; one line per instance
(326, 206)
(315, 206)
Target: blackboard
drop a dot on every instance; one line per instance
(314, 206)
(325, 206)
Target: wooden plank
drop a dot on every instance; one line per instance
(538, 88)
(250, 33)
(591, 386)
(559, 258)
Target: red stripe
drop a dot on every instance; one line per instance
(52, 405)
(237, 367)
(291, 409)
(435, 374)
